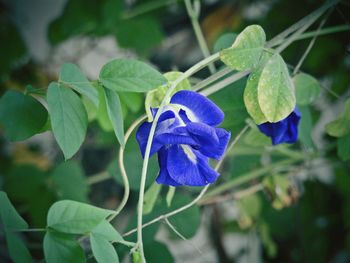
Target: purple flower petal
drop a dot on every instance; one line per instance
(189, 168)
(212, 141)
(201, 108)
(163, 176)
(166, 120)
(284, 131)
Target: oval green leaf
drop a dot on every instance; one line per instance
(59, 247)
(74, 217)
(103, 251)
(340, 126)
(130, 75)
(307, 88)
(9, 217)
(68, 118)
(246, 50)
(108, 232)
(251, 100)
(21, 116)
(275, 90)
(151, 197)
(115, 113)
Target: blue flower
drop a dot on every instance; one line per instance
(185, 138)
(284, 131)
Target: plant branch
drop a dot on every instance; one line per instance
(301, 23)
(172, 227)
(311, 44)
(194, 16)
(122, 166)
(232, 196)
(187, 74)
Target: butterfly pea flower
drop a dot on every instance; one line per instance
(186, 136)
(284, 131)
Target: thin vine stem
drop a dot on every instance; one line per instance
(301, 23)
(211, 79)
(309, 47)
(188, 73)
(173, 228)
(122, 166)
(194, 16)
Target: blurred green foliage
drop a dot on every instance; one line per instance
(311, 226)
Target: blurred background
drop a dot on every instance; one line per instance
(309, 221)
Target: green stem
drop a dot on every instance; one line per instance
(122, 167)
(211, 79)
(198, 32)
(224, 83)
(184, 76)
(301, 23)
(96, 178)
(325, 31)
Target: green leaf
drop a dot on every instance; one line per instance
(68, 118)
(102, 112)
(305, 127)
(11, 220)
(155, 97)
(74, 217)
(21, 116)
(9, 216)
(251, 100)
(170, 195)
(90, 108)
(224, 41)
(59, 247)
(246, 50)
(343, 147)
(275, 90)
(133, 101)
(18, 251)
(70, 182)
(71, 75)
(130, 75)
(103, 251)
(307, 88)
(151, 196)
(340, 126)
(115, 114)
(107, 231)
